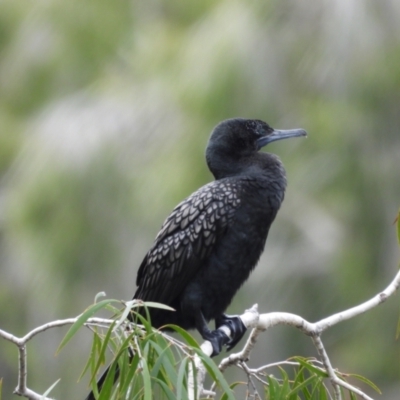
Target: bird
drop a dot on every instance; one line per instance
(211, 242)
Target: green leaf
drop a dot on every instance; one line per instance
(352, 396)
(303, 385)
(81, 321)
(130, 305)
(108, 383)
(153, 304)
(110, 379)
(167, 391)
(306, 364)
(273, 387)
(132, 372)
(190, 340)
(299, 376)
(284, 387)
(124, 359)
(232, 386)
(165, 363)
(367, 381)
(44, 395)
(144, 320)
(215, 373)
(91, 358)
(113, 310)
(180, 384)
(323, 392)
(148, 395)
(124, 315)
(103, 347)
(98, 295)
(318, 391)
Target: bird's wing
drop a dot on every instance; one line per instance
(186, 240)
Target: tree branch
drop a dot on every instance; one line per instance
(22, 389)
(251, 319)
(266, 321)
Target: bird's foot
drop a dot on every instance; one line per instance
(236, 327)
(217, 339)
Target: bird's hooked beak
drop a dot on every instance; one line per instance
(278, 134)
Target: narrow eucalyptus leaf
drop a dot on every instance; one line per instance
(81, 321)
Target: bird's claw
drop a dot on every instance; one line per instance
(217, 339)
(236, 326)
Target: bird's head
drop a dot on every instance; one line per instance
(234, 141)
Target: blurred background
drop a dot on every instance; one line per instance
(105, 111)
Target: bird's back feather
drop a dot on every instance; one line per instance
(186, 240)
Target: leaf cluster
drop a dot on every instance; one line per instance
(309, 382)
(147, 363)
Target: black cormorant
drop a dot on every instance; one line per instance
(210, 243)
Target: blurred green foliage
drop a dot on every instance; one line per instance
(105, 111)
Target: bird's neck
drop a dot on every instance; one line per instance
(259, 165)
(223, 165)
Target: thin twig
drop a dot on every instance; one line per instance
(327, 364)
